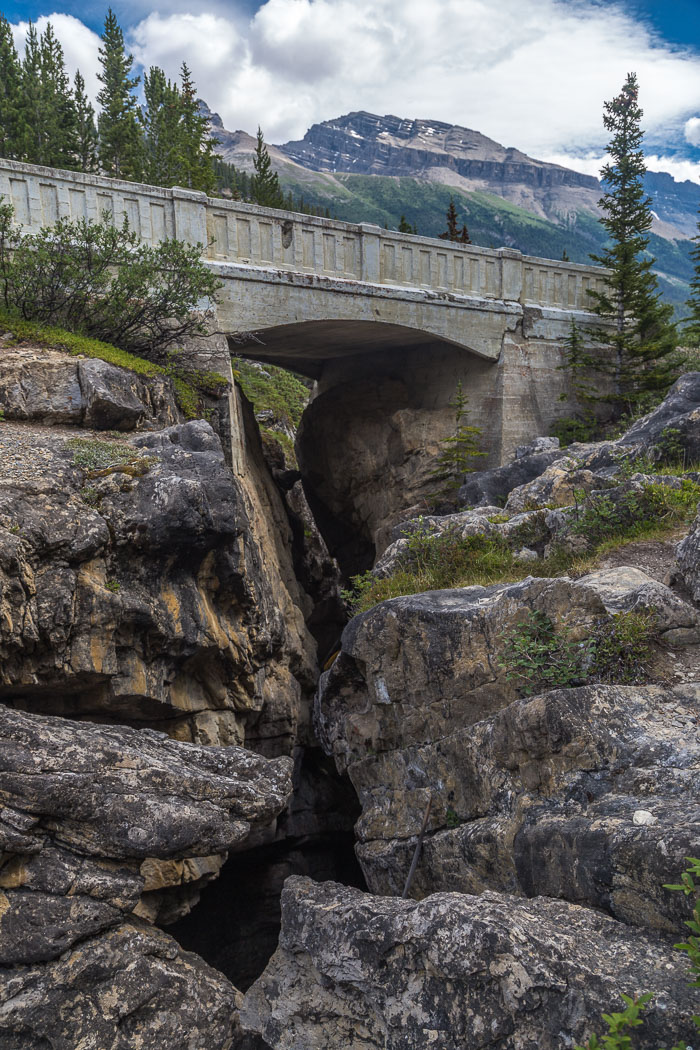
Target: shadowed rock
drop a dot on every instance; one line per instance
(85, 806)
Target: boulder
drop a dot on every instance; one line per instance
(51, 386)
(688, 560)
(679, 411)
(541, 799)
(456, 971)
(130, 988)
(494, 485)
(87, 809)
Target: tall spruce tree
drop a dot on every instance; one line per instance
(691, 327)
(86, 129)
(119, 135)
(643, 339)
(11, 133)
(160, 119)
(60, 120)
(197, 149)
(264, 185)
(32, 104)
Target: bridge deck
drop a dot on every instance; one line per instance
(249, 236)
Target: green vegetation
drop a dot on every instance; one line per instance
(644, 339)
(537, 656)
(265, 184)
(100, 280)
(94, 455)
(458, 452)
(272, 389)
(619, 1022)
(436, 562)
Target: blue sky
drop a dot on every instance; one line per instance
(530, 73)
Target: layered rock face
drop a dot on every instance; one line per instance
(93, 818)
(536, 831)
(141, 582)
(136, 591)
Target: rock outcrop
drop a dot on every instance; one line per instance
(48, 386)
(95, 816)
(455, 971)
(134, 590)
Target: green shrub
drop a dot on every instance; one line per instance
(622, 647)
(536, 657)
(92, 454)
(100, 280)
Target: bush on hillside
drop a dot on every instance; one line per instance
(98, 279)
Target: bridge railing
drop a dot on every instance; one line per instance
(244, 234)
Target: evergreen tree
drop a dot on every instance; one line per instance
(120, 144)
(457, 454)
(86, 154)
(160, 120)
(197, 149)
(453, 233)
(11, 130)
(643, 340)
(691, 329)
(264, 185)
(405, 226)
(32, 113)
(58, 112)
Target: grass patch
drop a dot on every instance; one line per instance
(189, 385)
(447, 560)
(273, 390)
(92, 454)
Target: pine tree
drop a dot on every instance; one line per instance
(453, 233)
(457, 454)
(405, 226)
(160, 120)
(644, 338)
(11, 134)
(691, 328)
(60, 120)
(32, 112)
(264, 185)
(197, 149)
(86, 155)
(120, 143)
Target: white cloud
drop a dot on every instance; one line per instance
(529, 73)
(591, 163)
(79, 44)
(692, 131)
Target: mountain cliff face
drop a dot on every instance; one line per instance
(364, 143)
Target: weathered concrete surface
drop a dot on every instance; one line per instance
(355, 972)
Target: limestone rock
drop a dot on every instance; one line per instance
(688, 560)
(493, 486)
(456, 971)
(85, 805)
(557, 486)
(414, 668)
(50, 386)
(679, 411)
(540, 799)
(140, 592)
(130, 988)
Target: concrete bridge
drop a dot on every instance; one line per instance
(387, 323)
